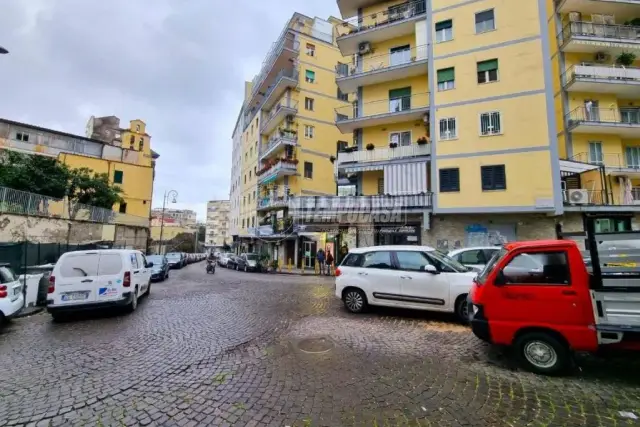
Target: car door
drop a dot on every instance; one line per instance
(146, 271)
(545, 289)
(136, 272)
(382, 281)
(419, 288)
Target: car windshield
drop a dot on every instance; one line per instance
(172, 255)
(252, 257)
(156, 259)
(490, 265)
(448, 262)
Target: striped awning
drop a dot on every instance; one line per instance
(405, 178)
(363, 168)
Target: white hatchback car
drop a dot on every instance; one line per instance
(416, 277)
(476, 257)
(88, 280)
(11, 296)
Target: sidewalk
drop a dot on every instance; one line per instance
(299, 272)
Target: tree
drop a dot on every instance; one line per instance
(34, 174)
(93, 189)
(202, 230)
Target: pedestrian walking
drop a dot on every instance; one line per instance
(329, 262)
(320, 259)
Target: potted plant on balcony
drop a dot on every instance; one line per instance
(370, 147)
(422, 140)
(332, 159)
(350, 149)
(626, 59)
(393, 145)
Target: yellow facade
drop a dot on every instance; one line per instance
(169, 232)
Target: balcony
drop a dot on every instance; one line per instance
(606, 7)
(615, 164)
(382, 112)
(591, 198)
(381, 155)
(281, 167)
(276, 144)
(333, 205)
(397, 65)
(610, 121)
(396, 21)
(623, 82)
(273, 201)
(286, 79)
(350, 8)
(281, 110)
(587, 37)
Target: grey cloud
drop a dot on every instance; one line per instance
(179, 65)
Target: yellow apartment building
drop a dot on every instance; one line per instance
(123, 153)
(483, 121)
(289, 138)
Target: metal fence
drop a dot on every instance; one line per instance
(24, 203)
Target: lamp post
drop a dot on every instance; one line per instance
(167, 194)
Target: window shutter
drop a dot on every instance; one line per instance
(444, 25)
(493, 177)
(450, 179)
(399, 93)
(446, 75)
(490, 65)
(311, 75)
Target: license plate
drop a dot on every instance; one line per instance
(75, 296)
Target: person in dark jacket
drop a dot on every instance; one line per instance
(329, 262)
(320, 259)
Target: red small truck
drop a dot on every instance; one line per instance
(548, 299)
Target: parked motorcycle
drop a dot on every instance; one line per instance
(211, 267)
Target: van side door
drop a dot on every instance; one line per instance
(145, 272)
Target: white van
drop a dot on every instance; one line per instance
(88, 280)
(11, 296)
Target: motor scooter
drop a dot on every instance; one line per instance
(211, 266)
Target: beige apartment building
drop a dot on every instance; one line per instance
(217, 223)
(185, 217)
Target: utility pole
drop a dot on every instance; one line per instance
(164, 205)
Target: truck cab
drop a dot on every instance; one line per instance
(548, 298)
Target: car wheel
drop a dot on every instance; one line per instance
(354, 300)
(131, 307)
(246, 269)
(60, 317)
(146, 294)
(3, 320)
(237, 267)
(542, 353)
(462, 309)
(166, 276)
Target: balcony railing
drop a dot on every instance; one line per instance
(360, 204)
(602, 198)
(625, 33)
(381, 154)
(273, 201)
(287, 104)
(398, 105)
(285, 40)
(605, 74)
(629, 116)
(284, 137)
(288, 166)
(377, 63)
(610, 160)
(392, 15)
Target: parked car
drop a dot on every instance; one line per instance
(248, 262)
(416, 277)
(160, 269)
(233, 262)
(175, 260)
(11, 295)
(475, 257)
(89, 280)
(223, 259)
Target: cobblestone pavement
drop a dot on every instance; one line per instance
(249, 349)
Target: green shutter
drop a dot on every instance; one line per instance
(446, 75)
(118, 176)
(490, 65)
(400, 93)
(311, 75)
(444, 25)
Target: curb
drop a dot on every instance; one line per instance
(28, 311)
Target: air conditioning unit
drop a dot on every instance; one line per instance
(600, 57)
(364, 47)
(577, 197)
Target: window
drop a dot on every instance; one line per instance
(488, 71)
(346, 190)
(242, 222)
(141, 144)
(22, 136)
(253, 221)
(308, 104)
(7, 275)
(118, 177)
(308, 170)
(485, 21)
(353, 260)
(449, 180)
(342, 96)
(412, 261)
(446, 79)
(490, 123)
(123, 208)
(538, 268)
(310, 76)
(308, 131)
(311, 49)
(249, 174)
(474, 256)
(381, 186)
(493, 177)
(109, 264)
(132, 140)
(448, 129)
(341, 146)
(380, 259)
(245, 178)
(80, 265)
(400, 138)
(595, 153)
(400, 99)
(400, 55)
(137, 128)
(444, 31)
(612, 224)
(633, 157)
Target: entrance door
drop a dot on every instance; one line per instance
(309, 254)
(592, 110)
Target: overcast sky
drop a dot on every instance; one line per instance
(179, 65)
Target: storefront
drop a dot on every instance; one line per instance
(397, 235)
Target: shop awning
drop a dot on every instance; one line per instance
(363, 168)
(405, 178)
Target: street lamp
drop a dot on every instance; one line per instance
(167, 194)
(3, 51)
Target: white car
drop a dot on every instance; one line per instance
(89, 280)
(476, 257)
(223, 259)
(417, 277)
(11, 296)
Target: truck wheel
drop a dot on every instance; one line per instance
(542, 353)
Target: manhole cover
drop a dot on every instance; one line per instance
(315, 345)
